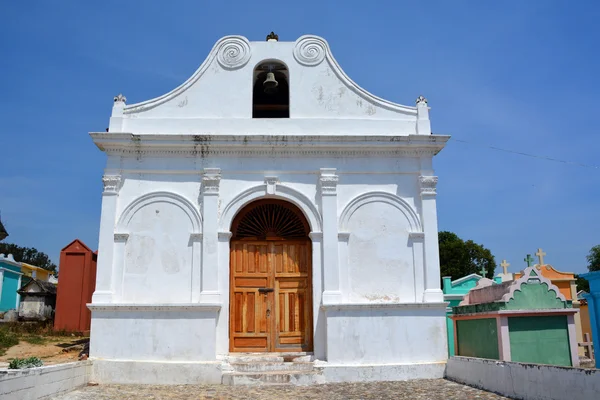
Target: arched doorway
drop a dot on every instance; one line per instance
(270, 295)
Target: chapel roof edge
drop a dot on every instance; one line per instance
(234, 52)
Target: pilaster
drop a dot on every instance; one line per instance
(343, 240)
(328, 181)
(503, 338)
(573, 340)
(196, 240)
(119, 243)
(417, 239)
(224, 238)
(433, 292)
(108, 215)
(423, 122)
(209, 288)
(116, 118)
(319, 322)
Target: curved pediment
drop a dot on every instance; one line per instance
(222, 88)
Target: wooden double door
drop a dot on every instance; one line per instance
(270, 296)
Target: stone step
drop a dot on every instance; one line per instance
(268, 357)
(272, 378)
(268, 366)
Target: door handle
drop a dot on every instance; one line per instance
(265, 290)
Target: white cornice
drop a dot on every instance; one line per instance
(256, 145)
(155, 307)
(466, 278)
(375, 306)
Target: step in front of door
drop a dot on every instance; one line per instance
(272, 378)
(267, 366)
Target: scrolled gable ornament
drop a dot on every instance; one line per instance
(234, 53)
(310, 50)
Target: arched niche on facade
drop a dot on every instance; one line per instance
(380, 266)
(158, 260)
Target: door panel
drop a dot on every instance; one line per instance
(280, 317)
(248, 328)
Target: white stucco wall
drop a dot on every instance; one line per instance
(180, 167)
(525, 381)
(44, 382)
(386, 334)
(185, 332)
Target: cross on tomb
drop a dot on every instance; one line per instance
(483, 271)
(528, 260)
(505, 266)
(540, 253)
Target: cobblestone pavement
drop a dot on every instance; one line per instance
(431, 389)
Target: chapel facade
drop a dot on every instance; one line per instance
(268, 205)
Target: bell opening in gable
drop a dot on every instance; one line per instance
(271, 91)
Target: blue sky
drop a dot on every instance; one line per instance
(519, 75)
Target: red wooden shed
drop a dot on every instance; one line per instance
(76, 284)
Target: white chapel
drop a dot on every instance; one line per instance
(268, 209)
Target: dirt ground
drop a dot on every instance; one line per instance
(55, 350)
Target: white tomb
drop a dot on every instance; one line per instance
(240, 216)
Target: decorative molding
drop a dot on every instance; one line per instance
(196, 237)
(375, 306)
(211, 179)
(124, 307)
(421, 100)
(234, 53)
(283, 153)
(310, 50)
(224, 236)
(112, 183)
(271, 182)
(328, 182)
(428, 185)
(120, 98)
(167, 197)
(516, 285)
(514, 313)
(315, 236)
(218, 46)
(122, 144)
(121, 237)
(283, 192)
(416, 235)
(465, 278)
(343, 236)
(381, 197)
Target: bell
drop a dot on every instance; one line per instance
(270, 84)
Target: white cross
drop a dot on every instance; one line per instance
(504, 266)
(540, 255)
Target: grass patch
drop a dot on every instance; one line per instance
(35, 339)
(7, 340)
(43, 329)
(31, 332)
(21, 363)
